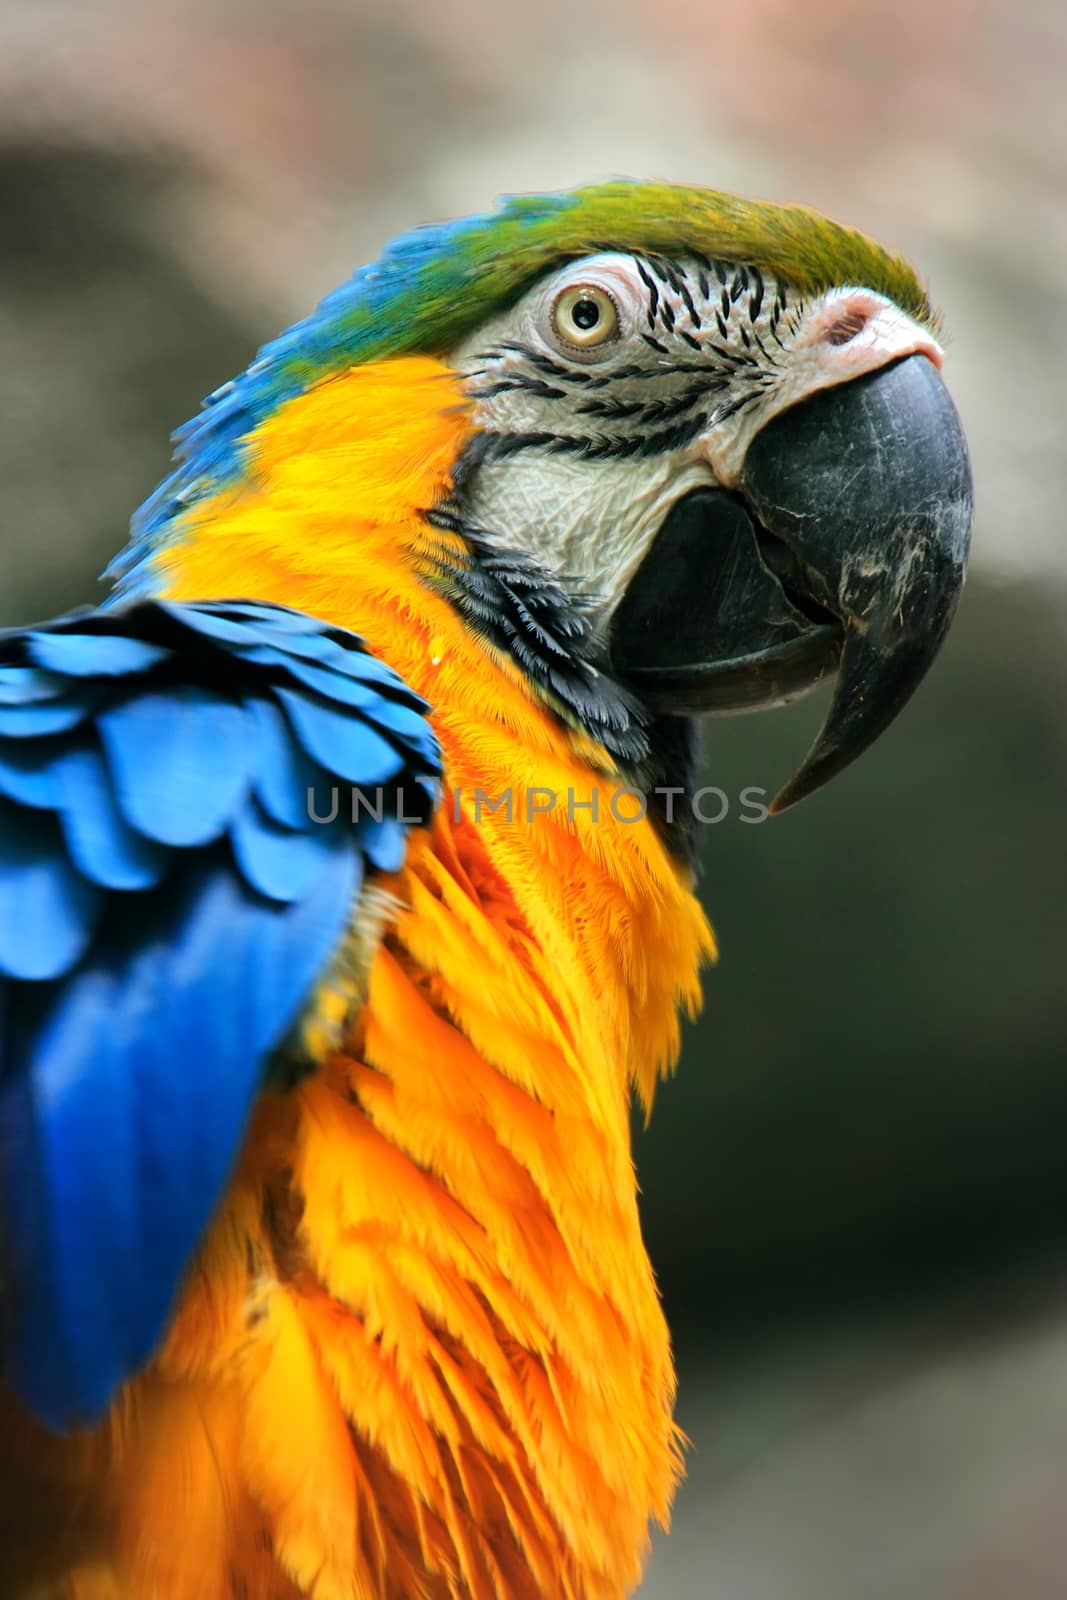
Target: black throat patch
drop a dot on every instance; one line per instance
(525, 612)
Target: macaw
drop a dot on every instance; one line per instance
(346, 889)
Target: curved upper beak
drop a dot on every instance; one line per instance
(845, 548)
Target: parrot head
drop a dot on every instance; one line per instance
(716, 427)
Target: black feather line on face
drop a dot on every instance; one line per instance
(523, 611)
(539, 619)
(604, 380)
(608, 446)
(653, 411)
(653, 292)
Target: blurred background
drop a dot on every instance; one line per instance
(854, 1191)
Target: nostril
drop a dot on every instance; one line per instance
(845, 327)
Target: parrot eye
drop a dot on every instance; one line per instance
(585, 316)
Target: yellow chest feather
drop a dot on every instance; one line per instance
(420, 1353)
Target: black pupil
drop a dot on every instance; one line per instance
(586, 314)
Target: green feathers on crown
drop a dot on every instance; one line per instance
(432, 286)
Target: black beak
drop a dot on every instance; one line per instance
(845, 549)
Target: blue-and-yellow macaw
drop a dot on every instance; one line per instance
(346, 889)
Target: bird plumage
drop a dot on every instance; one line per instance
(417, 1351)
(424, 1307)
(430, 287)
(167, 904)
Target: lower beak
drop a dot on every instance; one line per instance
(844, 549)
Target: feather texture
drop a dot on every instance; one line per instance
(432, 286)
(421, 1353)
(167, 904)
(424, 1309)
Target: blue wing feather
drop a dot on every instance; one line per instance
(47, 909)
(282, 863)
(180, 761)
(24, 685)
(100, 842)
(367, 758)
(267, 619)
(167, 903)
(334, 685)
(284, 775)
(34, 720)
(28, 772)
(80, 655)
(385, 843)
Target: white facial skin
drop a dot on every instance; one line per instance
(620, 383)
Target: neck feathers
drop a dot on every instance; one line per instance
(421, 1353)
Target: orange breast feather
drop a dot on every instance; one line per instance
(420, 1353)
